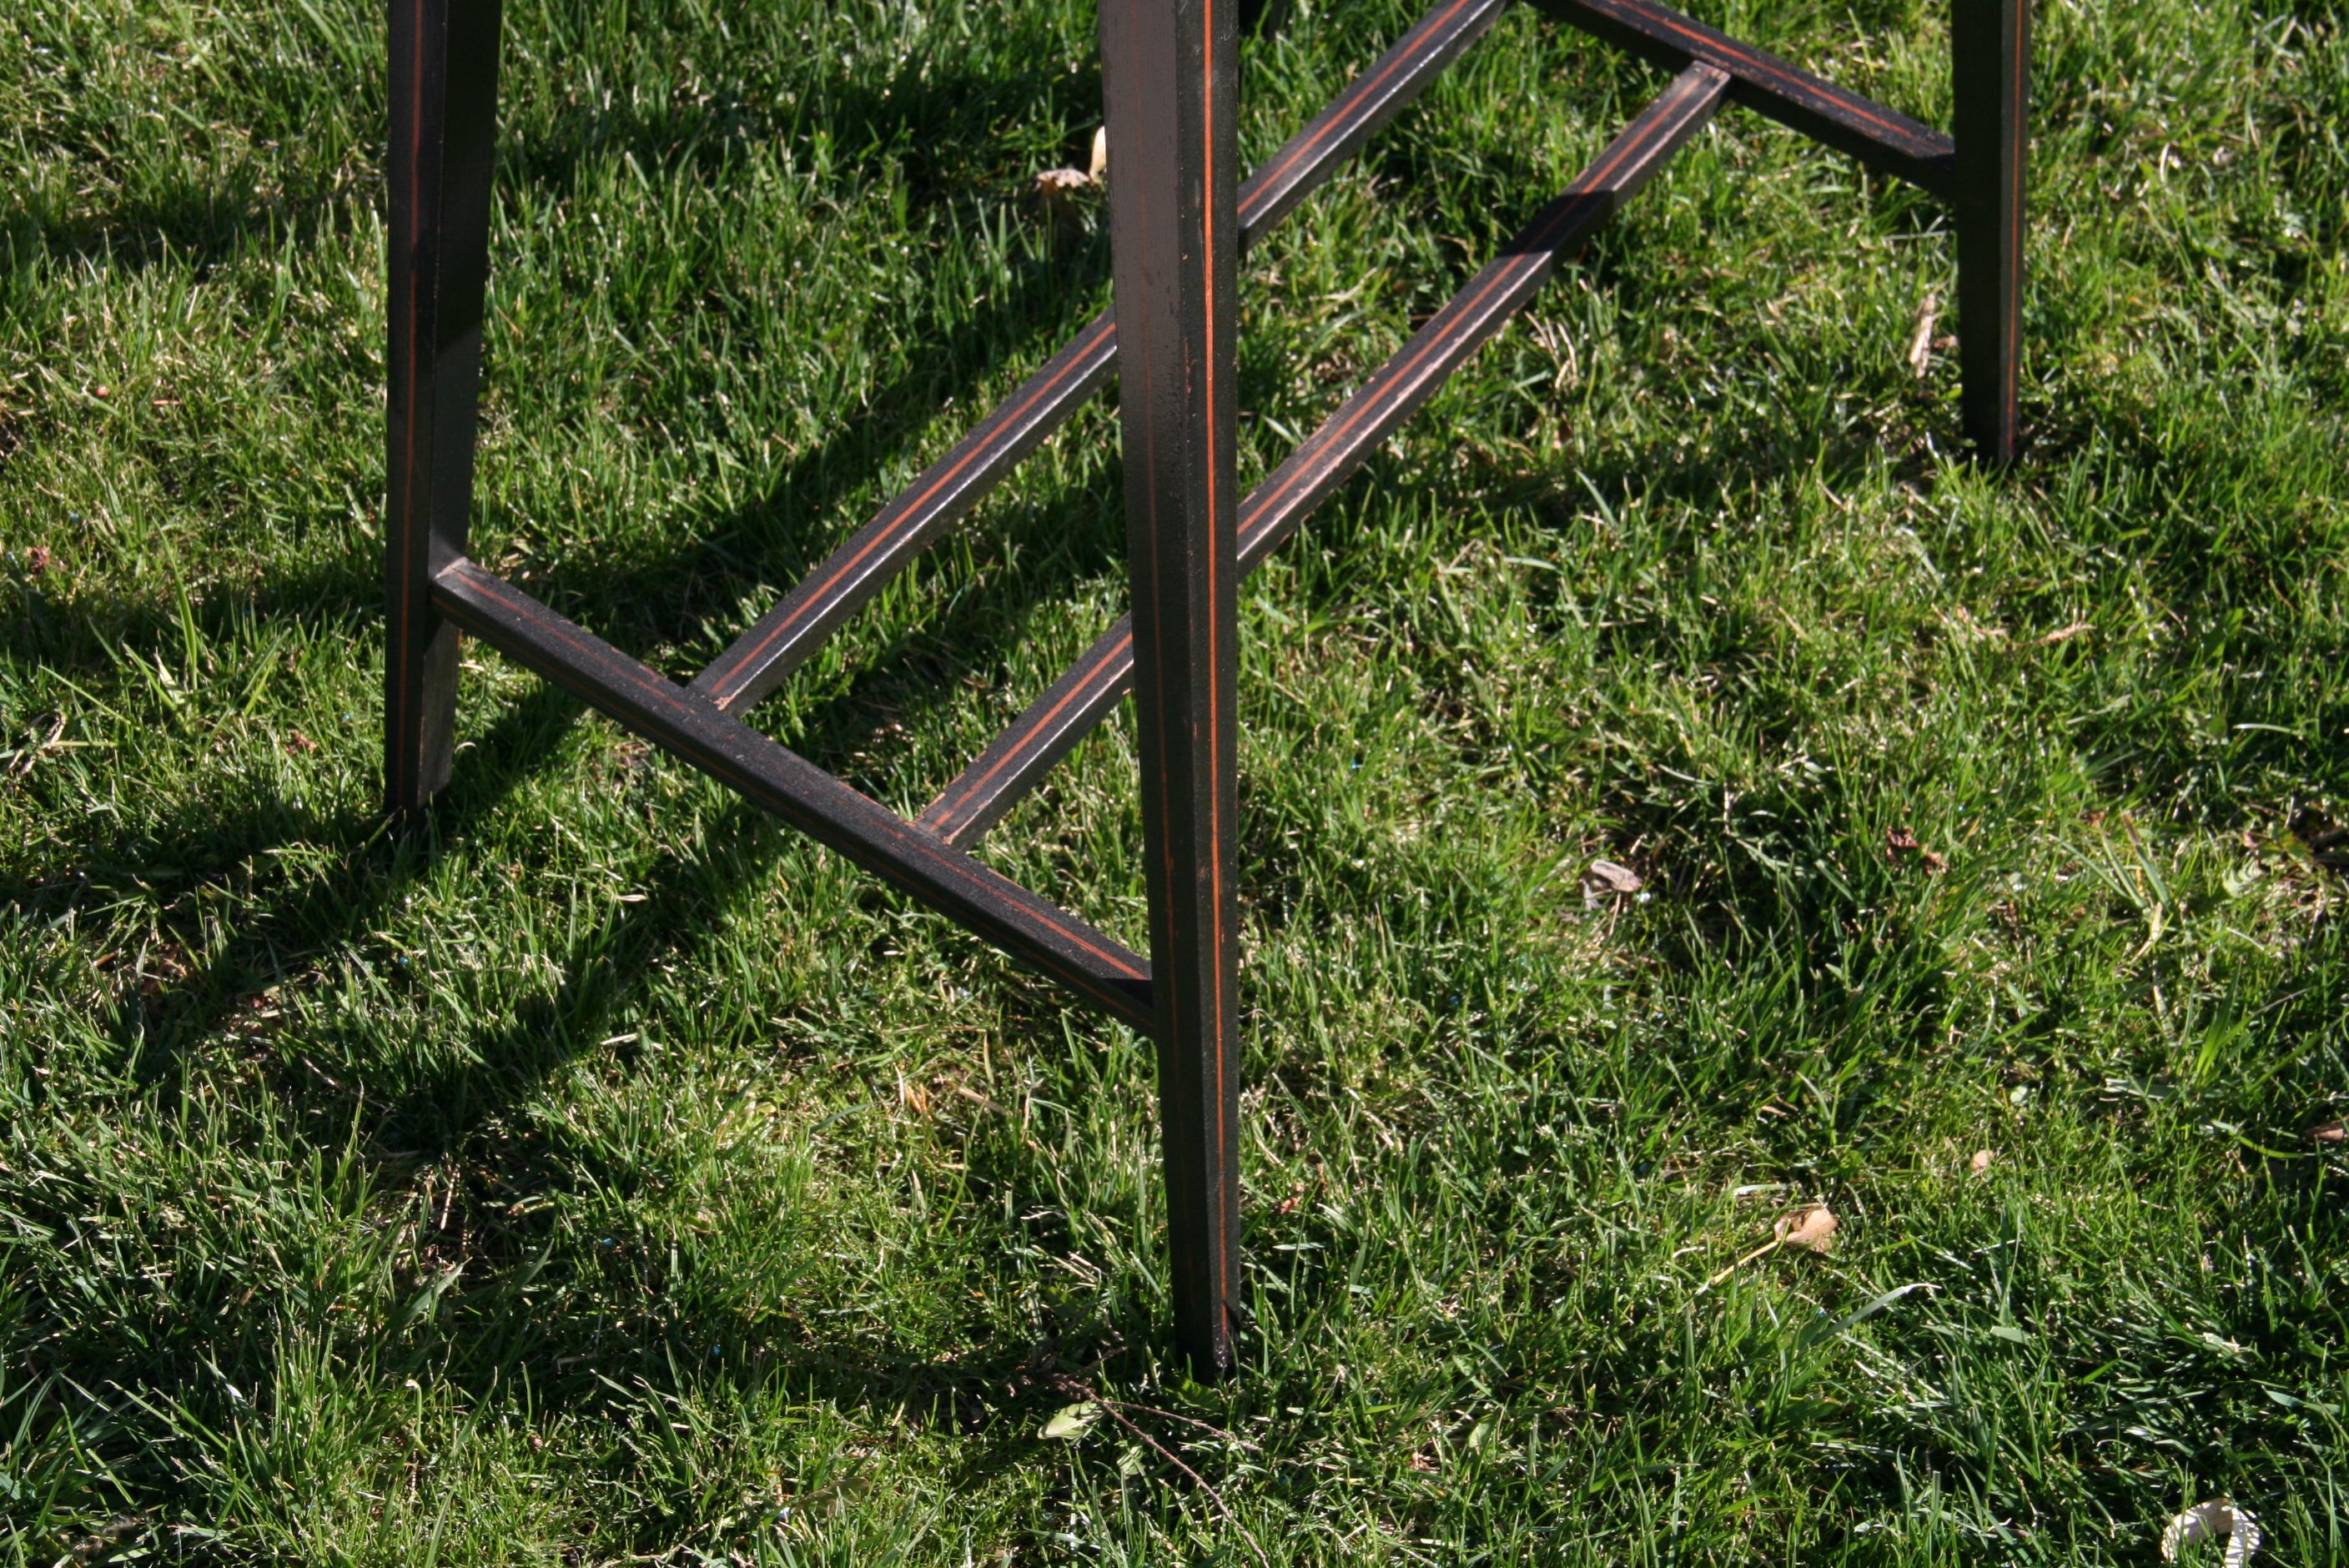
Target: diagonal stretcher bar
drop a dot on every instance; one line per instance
(785, 783)
(925, 858)
(781, 640)
(1170, 80)
(1880, 138)
(1023, 754)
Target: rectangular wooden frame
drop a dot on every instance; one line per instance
(1179, 221)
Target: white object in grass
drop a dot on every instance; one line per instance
(2206, 1520)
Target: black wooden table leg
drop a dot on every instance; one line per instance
(1168, 72)
(444, 67)
(1989, 65)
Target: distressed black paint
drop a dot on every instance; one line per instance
(1050, 940)
(1170, 71)
(443, 87)
(1876, 135)
(760, 658)
(1168, 68)
(1021, 758)
(1990, 68)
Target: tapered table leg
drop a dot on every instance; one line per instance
(1990, 64)
(444, 66)
(1169, 67)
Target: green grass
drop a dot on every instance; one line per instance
(607, 1175)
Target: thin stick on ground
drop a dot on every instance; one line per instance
(1236, 1440)
(1772, 1245)
(1078, 1388)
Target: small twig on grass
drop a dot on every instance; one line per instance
(1078, 1388)
(1921, 338)
(1191, 1421)
(21, 762)
(1059, 1378)
(1764, 1250)
(1811, 1228)
(986, 1104)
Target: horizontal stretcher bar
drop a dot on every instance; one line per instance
(1053, 723)
(1880, 138)
(771, 776)
(759, 660)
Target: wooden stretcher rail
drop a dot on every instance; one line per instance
(1048, 939)
(1882, 137)
(759, 660)
(1052, 725)
(1170, 75)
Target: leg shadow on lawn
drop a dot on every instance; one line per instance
(373, 867)
(510, 1191)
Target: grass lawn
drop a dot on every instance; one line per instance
(607, 1175)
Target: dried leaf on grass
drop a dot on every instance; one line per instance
(1057, 189)
(1899, 841)
(1980, 1162)
(1071, 1421)
(1622, 879)
(1920, 339)
(914, 1096)
(1812, 1229)
(1057, 185)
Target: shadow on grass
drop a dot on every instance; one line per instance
(372, 867)
(444, 1112)
(636, 1322)
(623, 595)
(927, 117)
